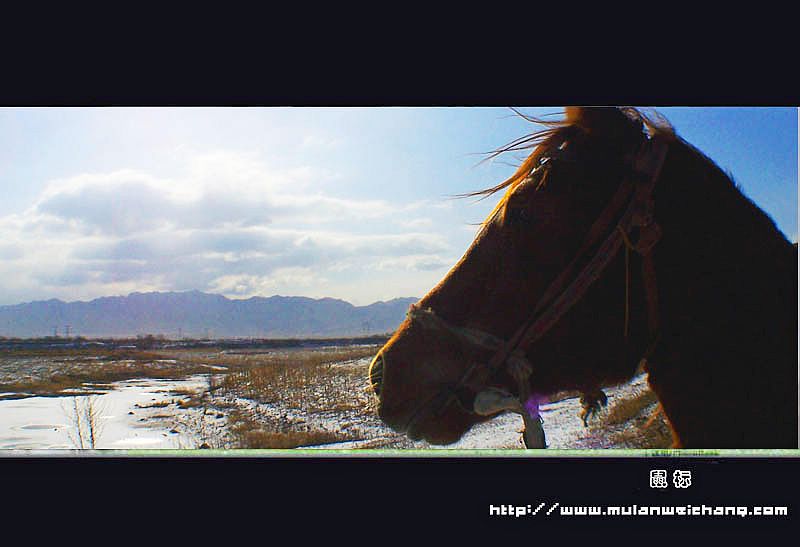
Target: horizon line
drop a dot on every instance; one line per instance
(205, 293)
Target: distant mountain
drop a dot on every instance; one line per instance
(198, 314)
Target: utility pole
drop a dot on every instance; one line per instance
(55, 332)
(67, 330)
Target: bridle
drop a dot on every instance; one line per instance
(635, 229)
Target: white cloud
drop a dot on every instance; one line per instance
(227, 224)
(281, 279)
(417, 223)
(415, 263)
(218, 190)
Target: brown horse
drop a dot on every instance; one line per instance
(616, 244)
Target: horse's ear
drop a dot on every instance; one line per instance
(602, 120)
(574, 114)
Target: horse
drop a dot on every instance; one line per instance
(615, 245)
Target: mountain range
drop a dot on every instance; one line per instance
(196, 314)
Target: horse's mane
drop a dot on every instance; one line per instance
(557, 132)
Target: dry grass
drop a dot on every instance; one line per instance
(301, 382)
(192, 402)
(310, 381)
(249, 433)
(158, 404)
(655, 435)
(243, 359)
(650, 428)
(113, 367)
(291, 439)
(183, 392)
(70, 368)
(84, 352)
(627, 409)
(305, 380)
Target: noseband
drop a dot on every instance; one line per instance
(567, 289)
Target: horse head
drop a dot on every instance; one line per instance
(484, 328)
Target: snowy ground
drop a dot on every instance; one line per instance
(563, 427)
(190, 413)
(128, 417)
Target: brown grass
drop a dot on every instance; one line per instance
(103, 366)
(183, 392)
(249, 433)
(259, 438)
(657, 435)
(627, 409)
(650, 426)
(85, 352)
(311, 381)
(158, 404)
(239, 360)
(190, 403)
(118, 366)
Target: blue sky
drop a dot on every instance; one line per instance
(344, 202)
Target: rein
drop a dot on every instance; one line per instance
(569, 287)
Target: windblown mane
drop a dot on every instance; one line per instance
(553, 136)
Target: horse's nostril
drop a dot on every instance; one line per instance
(376, 374)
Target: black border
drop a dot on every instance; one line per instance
(357, 497)
(395, 62)
(400, 88)
(372, 499)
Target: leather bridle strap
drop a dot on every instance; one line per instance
(426, 318)
(562, 294)
(639, 214)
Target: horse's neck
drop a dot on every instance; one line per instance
(721, 261)
(727, 297)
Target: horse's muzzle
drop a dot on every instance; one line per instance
(376, 374)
